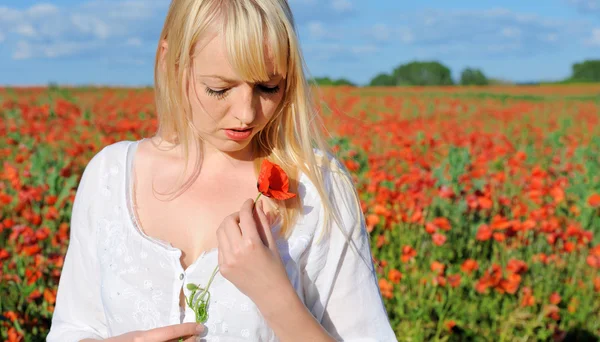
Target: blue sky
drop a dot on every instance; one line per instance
(112, 42)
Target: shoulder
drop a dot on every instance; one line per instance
(108, 154)
(115, 150)
(333, 173)
(336, 184)
(107, 160)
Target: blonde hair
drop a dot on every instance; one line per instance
(294, 131)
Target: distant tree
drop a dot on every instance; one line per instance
(343, 82)
(382, 80)
(422, 74)
(323, 80)
(471, 76)
(326, 81)
(587, 71)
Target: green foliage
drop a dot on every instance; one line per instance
(422, 74)
(347, 151)
(326, 81)
(470, 76)
(416, 74)
(382, 80)
(587, 71)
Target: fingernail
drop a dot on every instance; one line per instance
(199, 328)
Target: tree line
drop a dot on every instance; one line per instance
(433, 73)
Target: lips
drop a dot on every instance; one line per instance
(240, 129)
(237, 134)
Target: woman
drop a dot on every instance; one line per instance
(230, 93)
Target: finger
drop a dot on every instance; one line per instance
(185, 339)
(223, 246)
(232, 233)
(169, 332)
(260, 227)
(270, 216)
(247, 222)
(265, 229)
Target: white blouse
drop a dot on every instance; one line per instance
(116, 279)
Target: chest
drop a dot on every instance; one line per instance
(190, 221)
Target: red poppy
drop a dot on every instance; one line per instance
(273, 181)
(395, 276)
(594, 200)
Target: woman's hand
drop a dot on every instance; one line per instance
(248, 255)
(185, 332)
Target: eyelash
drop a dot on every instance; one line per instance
(222, 93)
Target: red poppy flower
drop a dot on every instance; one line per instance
(273, 181)
(594, 200)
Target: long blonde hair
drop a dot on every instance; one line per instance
(291, 136)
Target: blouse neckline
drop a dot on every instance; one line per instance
(129, 190)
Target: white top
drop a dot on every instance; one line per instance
(116, 279)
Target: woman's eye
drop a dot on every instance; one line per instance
(216, 93)
(268, 90)
(223, 92)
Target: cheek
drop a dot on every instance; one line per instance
(270, 105)
(208, 108)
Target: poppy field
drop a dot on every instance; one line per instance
(483, 204)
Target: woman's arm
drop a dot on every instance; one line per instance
(289, 318)
(339, 278)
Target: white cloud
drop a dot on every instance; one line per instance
(27, 50)
(317, 30)
(134, 41)
(328, 52)
(594, 39)
(381, 32)
(550, 37)
(9, 15)
(386, 33)
(41, 11)
(306, 11)
(125, 9)
(23, 51)
(90, 25)
(362, 49)
(47, 31)
(342, 6)
(476, 32)
(586, 5)
(456, 33)
(303, 2)
(25, 30)
(511, 32)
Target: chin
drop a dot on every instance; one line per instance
(234, 145)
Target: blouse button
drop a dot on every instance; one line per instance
(181, 276)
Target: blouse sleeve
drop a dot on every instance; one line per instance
(340, 284)
(78, 312)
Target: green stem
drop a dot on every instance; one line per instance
(200, 308)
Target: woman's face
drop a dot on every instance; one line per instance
(221, 100)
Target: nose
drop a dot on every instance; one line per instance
(245, 110)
